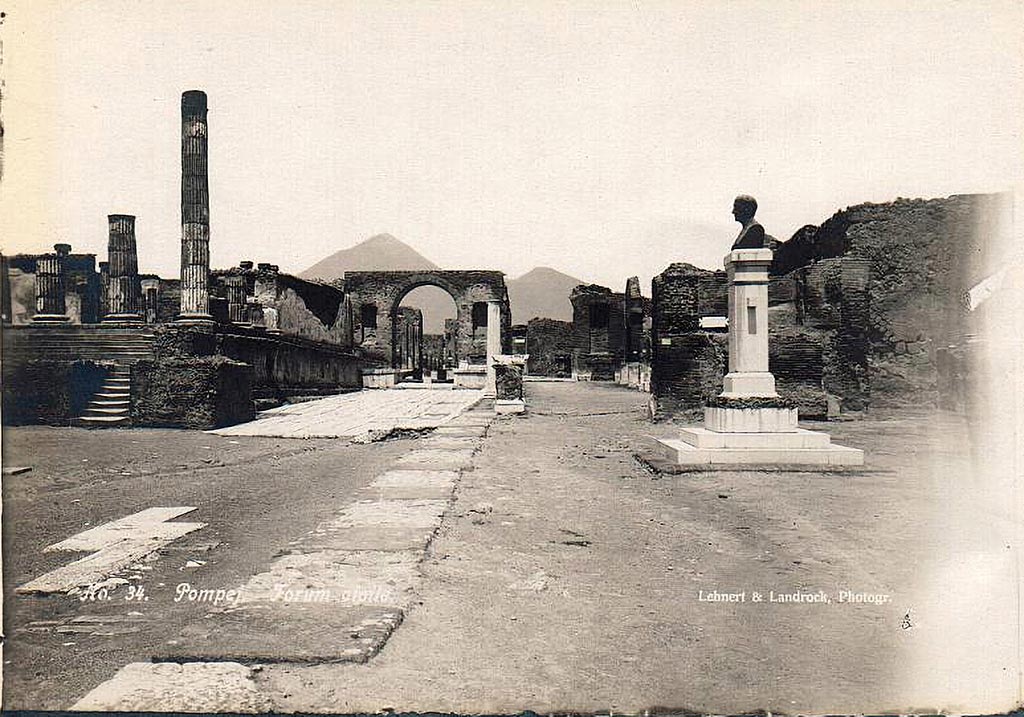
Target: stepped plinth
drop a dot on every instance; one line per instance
(748, 425)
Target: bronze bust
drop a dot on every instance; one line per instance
(752, 234)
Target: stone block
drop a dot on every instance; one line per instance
(680, 454)
(474, 377)
(380, 377)
(750, 420)
(700, 437)
(502, 407)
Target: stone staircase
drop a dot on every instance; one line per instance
(90, 342)
(120, 346)
(108, 407)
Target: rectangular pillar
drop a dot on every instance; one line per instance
(493, 345)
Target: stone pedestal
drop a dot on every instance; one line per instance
(508, 371)
(748, 425)
(51, 307)
(474, 377)
(124, 291)
(195, 210)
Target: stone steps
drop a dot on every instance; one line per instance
(70, 343)
(109, 406)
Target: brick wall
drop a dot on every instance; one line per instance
(551, 344)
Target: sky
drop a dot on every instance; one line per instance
(604, 139)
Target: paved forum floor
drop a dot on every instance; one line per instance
(562, 574)
(360, 414)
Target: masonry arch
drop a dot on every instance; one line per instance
(385, 290)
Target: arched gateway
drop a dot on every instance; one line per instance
(376, 296)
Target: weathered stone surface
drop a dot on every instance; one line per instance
(509, 382)
(191, 393)
(551, 344)
(208, 687)
(599, 331)
(48, 392)
(918, 258)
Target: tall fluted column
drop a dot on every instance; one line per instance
(124, 292)
(50, 300)
(195, 209)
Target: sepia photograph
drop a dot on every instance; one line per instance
(648, 357)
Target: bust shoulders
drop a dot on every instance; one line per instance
(750, 237)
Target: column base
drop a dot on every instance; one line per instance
(194, 319)
(51, 319)
(122, 319)
(700, 449)
(750, 420)
(744, 384)
(514, 405)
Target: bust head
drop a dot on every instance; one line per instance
(743, 208)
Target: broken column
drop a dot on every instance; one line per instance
(234, 285)
(748, 425)
(50, 299)
(195, 210)
(124, 292)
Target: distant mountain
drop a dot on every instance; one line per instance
(542, 292)
(382, 252)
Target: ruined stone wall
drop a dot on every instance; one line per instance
(48, 392)
(168, 300)
(686, 371)
(386, 289)
(82, 287)
(191, 392)
(599, 331)
(921, 256)
(281, 365)
(305, 309)
(688, 363)
(551, 344)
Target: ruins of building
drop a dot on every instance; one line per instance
(861, 310)
(376, 298)
(599, 332)
(550, 345)
(608, 338)
(106, 346)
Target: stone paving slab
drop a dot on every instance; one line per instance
(450, 442)
(118, 544)
(385, 578)
(310, 633)
(368, 537)
(393, 513)
(358, 414)
(460, 431)
(436, 459)
(148, 520)
(169, 687)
